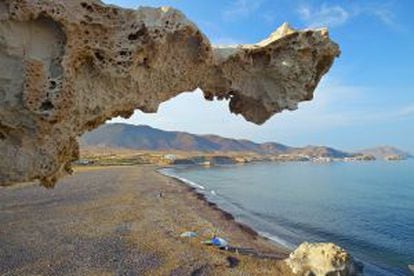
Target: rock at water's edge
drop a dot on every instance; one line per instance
(322, 259)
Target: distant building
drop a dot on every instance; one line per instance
(322, 159)
(170, 157)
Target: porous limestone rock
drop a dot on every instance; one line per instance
(69, 65)
(320, 259)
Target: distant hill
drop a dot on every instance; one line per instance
(315, 151)
(126, 136)
(385, 152)
(147, 138)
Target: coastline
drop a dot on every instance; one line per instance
(227, 215)
(372, 266)
(112, 220)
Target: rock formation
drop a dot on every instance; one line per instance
(322, 259)
(68, 66)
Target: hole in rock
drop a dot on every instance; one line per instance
(46, 105)
(99, 56)
(137, 34)
(52, 85)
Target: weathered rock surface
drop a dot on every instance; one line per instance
(322, 259)
(67, 66)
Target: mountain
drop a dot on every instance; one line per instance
(148, 138)
(386, 152)
(126, 136)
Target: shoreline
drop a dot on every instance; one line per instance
(227, 215)
(371, 266)
(126, 220)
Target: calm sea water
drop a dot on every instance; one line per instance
(365, 207)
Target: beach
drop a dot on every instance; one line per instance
(124, 220)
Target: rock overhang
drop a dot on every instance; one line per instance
(68, 66)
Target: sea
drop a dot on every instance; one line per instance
(365, 207)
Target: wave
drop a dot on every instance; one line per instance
(167, 172)
(277, 240)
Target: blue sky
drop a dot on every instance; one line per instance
(367, 99)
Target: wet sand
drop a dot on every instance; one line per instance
(113, 221)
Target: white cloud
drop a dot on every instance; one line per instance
(382, 12)
(406, 111)
(324, 15)
(241, 8)
(339, 105)
(386, 16)
(336, 15)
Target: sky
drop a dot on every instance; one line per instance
(365, 100)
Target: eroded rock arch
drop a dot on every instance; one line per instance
(68, 66)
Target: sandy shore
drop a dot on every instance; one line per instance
(112, 221)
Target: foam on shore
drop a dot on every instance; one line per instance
(167, 172)
(277, 240)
